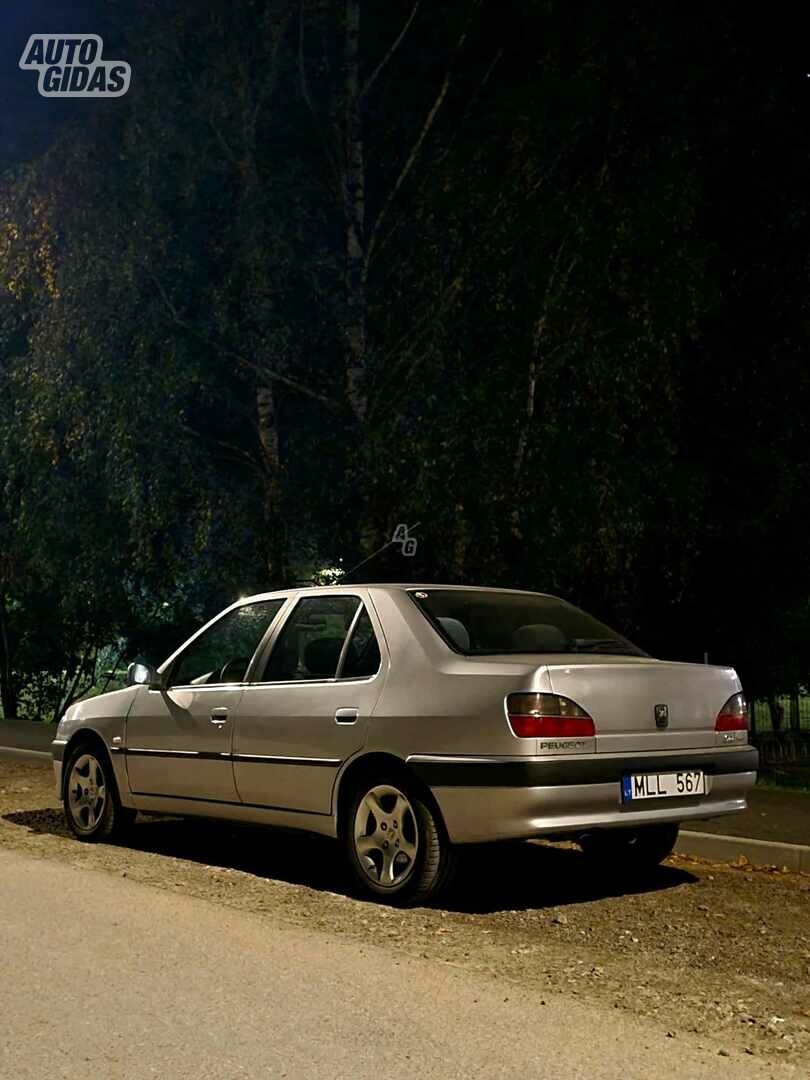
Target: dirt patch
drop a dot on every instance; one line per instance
(709, 949)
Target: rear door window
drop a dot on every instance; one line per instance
(361, 658)
(311, 642)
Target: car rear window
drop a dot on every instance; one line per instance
(487, 623)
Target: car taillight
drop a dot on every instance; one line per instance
(536, 716)
(733, 716)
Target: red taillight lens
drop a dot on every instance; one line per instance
(558, 727)
(733, 716)
(540, 716)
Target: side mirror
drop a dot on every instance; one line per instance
(140, 673)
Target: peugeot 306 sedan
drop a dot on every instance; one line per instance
(405, 721)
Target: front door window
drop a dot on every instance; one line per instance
(223, 652)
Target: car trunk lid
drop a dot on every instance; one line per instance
(643, 704)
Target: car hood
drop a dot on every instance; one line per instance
(114, 703)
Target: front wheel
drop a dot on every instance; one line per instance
(396, 845)
(630, 850)
(90, 796)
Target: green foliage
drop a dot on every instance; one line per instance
(583, 331)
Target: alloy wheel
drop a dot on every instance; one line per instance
(386, 837)
(87, 792)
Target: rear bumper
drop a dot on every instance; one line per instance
(490, 799)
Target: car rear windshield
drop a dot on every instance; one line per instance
(487, 623)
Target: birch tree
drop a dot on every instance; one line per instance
(376, 172)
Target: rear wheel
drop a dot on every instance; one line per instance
(396, 845)
(90, 796)
(633, 849)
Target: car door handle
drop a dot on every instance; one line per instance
(346, 716)
(219, 716)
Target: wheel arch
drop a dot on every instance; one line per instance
(379, 763)
(89, 737)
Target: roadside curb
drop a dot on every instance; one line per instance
(720, 848)
(25, 755)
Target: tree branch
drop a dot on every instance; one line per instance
(386, 59)
(226, 148)
(328, 153)
(442, 156)
(240, 455)
(259, 370)
(393, 364)
(263, 372)
(411, 159)
(269, 84)
(68, 696)
(111, 673)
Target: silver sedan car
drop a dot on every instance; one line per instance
(406, 721)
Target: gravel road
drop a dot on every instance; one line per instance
(706, 963)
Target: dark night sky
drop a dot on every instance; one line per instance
(27, 121)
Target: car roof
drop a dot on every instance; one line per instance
(304, 590)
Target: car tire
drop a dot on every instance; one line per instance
(419, 862)
(630, 850)
(90, 797)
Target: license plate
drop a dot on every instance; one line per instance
(668, 785)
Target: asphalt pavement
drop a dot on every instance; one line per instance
(107, 977)
(776, 814)
(27, 737)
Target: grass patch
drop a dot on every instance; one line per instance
(793, 778)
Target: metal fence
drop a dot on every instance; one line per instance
(784, 713)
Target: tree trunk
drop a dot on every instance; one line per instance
(275, 530)
(523, 434)
(254, 257)
(777, 712)
(520, 452)
(8, 691)
(795, 711)
(525, 427)
(354, 209)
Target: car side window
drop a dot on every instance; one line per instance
(222, 654)
(311, 642)
(362, 656)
